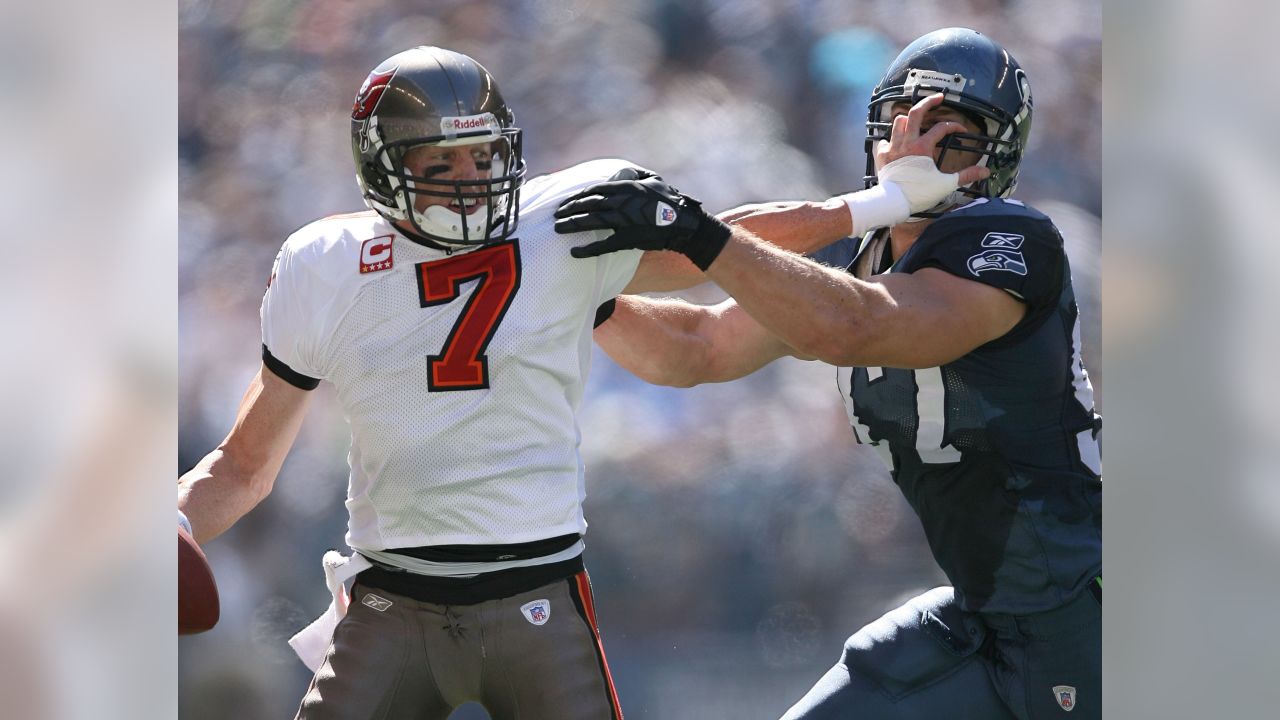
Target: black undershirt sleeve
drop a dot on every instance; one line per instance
(286, 373)
(604, 312)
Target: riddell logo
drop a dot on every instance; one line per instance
(467, 123)
(375, 254)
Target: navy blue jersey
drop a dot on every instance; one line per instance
(996, 451)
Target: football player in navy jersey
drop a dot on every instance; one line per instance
(956, 338)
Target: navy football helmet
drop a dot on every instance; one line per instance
(431, 96)
(977, 77)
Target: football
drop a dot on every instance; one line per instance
(197, 591)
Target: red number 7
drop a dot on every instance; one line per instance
(462, 364)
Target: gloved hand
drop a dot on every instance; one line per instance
(645, 214)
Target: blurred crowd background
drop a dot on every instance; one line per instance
(737, 534)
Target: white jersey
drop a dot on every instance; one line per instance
(459, 374)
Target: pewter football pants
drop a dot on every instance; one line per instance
(930, 659)
(529, 656)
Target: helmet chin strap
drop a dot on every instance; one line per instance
(446, 223)
(442, 222)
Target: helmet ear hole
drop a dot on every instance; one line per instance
(375, 178)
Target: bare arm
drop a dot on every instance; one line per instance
(916, 320)
(798, 226)
(672, 342)
(239, 473)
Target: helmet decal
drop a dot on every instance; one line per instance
(370, 92)
(933, 81)
(1024, 87)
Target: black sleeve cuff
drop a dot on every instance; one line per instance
(707, 242)
(604, 312)
(287, 373)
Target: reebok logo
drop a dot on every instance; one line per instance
(1007, 241)
(377, 602)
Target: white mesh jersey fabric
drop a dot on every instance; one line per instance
(496, 464)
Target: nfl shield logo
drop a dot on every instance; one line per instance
(1066, 697)
(537, 611)
(666, 214)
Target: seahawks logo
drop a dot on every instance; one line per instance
(998, 260)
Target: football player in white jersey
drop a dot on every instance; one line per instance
(458, 349)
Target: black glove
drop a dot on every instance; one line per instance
(645, 214)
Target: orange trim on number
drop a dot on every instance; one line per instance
(462, 363)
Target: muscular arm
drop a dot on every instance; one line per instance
(916, 320)
(672, 342)
(239, 473)
(798, 226)
(910, 182)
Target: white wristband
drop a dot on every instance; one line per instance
(184, 522)
(920, 181)
(880, 206)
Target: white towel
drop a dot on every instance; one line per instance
(312, 642)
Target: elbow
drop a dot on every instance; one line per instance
(692, 366)
(260, 487)
(827, 341)
(665, 371)
(682, 380)
(686, 372)
(253, 478)
(850, 342)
